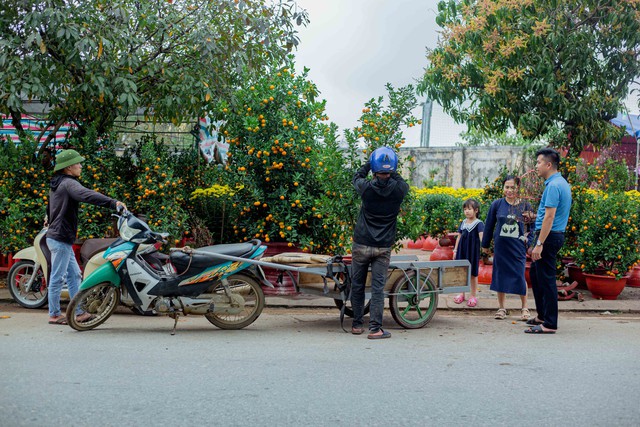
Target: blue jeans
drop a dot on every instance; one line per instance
(543, 281)
(362, 257)
(63, 266)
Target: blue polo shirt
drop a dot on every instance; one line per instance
(557, 194)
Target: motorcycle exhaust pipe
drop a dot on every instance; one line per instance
(200, 309)
(188, 306)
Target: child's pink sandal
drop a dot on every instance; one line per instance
(459, 299)
(472, 302)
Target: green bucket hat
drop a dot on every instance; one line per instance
(67, 158)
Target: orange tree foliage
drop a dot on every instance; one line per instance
(536, 64)
(291, 176)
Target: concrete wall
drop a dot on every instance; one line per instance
(462, 166)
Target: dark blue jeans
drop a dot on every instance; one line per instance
(362, 257)
(543, 281)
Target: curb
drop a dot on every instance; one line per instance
(445, 302)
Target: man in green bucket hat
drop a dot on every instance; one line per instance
(65, 195)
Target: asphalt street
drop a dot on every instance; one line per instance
(297, 367)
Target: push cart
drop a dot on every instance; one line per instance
(413, 285)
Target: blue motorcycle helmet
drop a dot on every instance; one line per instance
(383, 160)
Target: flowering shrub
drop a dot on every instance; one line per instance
(582, 207)
(212, 207)
(494, 190)
(382, 124)
(295, 176)
(435, 211)
(275, 133)
(24, 188)
(609, 172)
(149, 178)
(442, 214)
(459, 193)
(608, 236)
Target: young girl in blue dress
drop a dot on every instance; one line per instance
(468, 246)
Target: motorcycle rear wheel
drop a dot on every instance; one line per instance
(247, 288)
(19, 275)
(100, 301)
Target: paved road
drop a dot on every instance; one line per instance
(296, 367)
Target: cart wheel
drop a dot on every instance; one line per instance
(348, 311)
(413, 301)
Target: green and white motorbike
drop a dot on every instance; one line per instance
(213, 281)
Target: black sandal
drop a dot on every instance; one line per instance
(534, 322)
(538, 330)
(383, 335)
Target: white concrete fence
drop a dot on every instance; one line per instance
(462, 166)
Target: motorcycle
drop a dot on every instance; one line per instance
(203, 281)
(28, 277)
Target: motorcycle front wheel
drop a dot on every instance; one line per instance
(246, 288)
(28, 296)
(99, 301)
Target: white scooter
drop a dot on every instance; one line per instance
(28, 276)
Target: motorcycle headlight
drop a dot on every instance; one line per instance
(127, 233)
(134, 230)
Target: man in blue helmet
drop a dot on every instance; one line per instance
(374, 235)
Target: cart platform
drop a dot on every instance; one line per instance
(413, 285)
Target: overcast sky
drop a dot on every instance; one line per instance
(354, 47)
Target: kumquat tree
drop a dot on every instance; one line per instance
(292, 174)
(275, 133)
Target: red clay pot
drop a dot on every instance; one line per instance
(429, 244)
(605, 287)
(527, 273)
(441, 253)
(485, 271)
(576, 275)
(634, 277)
(416, 244)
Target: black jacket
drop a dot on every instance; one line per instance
(65, 196)
(376, 225)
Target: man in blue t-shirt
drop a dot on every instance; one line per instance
(551, 221)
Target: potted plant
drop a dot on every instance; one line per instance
(442, 216)
(581, 208)
(607, 244)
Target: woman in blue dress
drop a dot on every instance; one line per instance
(505, 224)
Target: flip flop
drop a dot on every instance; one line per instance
(83, 319)
(533, 322)
(357, 331)
(458, 299)
(384, 335)
(61, 320)
(538, 330)
(472, 302)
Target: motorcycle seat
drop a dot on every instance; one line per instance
(90, 247)
(207, 256)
